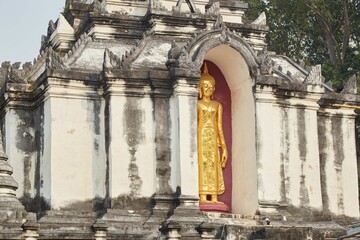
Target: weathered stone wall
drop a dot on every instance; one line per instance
(20, 135)
(338, 162)
(131, 154)
(102, 127)
(288, 148)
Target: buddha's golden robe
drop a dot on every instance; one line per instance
(210, 138)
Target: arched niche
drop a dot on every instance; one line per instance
(244, 174)
(222, 94)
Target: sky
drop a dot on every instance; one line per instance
(22, 23)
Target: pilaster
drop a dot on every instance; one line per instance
(207, 231)
(20, 127)
(31, 229)
(129, 130)
(69, 145)
(287, 147)
(185, 138)
(184, 147)
(100, 229)
(171, 230)
(164, 198)
(268, 149)
(300, 141)
(338, 162)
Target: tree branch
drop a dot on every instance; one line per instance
(330, 40)
(346, 36)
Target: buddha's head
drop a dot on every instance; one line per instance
(206, 84)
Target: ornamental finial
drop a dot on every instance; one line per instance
(206, 69)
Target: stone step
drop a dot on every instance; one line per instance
(115, 236)
(66, 233)
(130, 231)
(57, 213)
(116, 216)
(11, 233)
(67, 225)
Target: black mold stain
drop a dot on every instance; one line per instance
(301, 127)
(336, 130)
(258, 155)
(323, 143)
(97, 108)
(162, 140)
(308, 214)
(134, 133)
(99, 205)
(193, 125)
(24, 129)
(107, 200)
(43, 204)
(39, 142)
(94, 118)
(25, 142)
(130, 202)
(259, 234)
(338, 145)
(284, 155)
(34, 119)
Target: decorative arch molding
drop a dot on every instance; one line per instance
(192, 54)
(240, 66)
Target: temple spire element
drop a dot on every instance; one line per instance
(9, 204)
(190, 4)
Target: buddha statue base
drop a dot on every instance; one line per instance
(214, 207)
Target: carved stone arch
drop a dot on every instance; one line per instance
(192, 55)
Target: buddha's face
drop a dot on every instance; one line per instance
(208, 88)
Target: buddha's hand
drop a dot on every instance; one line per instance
(224, 158)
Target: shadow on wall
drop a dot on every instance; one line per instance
(357, 134)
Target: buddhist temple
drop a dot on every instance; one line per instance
(170, 119)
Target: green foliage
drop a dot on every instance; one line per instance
(315, 32)
(68, 4)
(66, 7)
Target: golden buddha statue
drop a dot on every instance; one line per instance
(210, 138)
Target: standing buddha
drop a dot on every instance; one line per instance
(212, 152)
